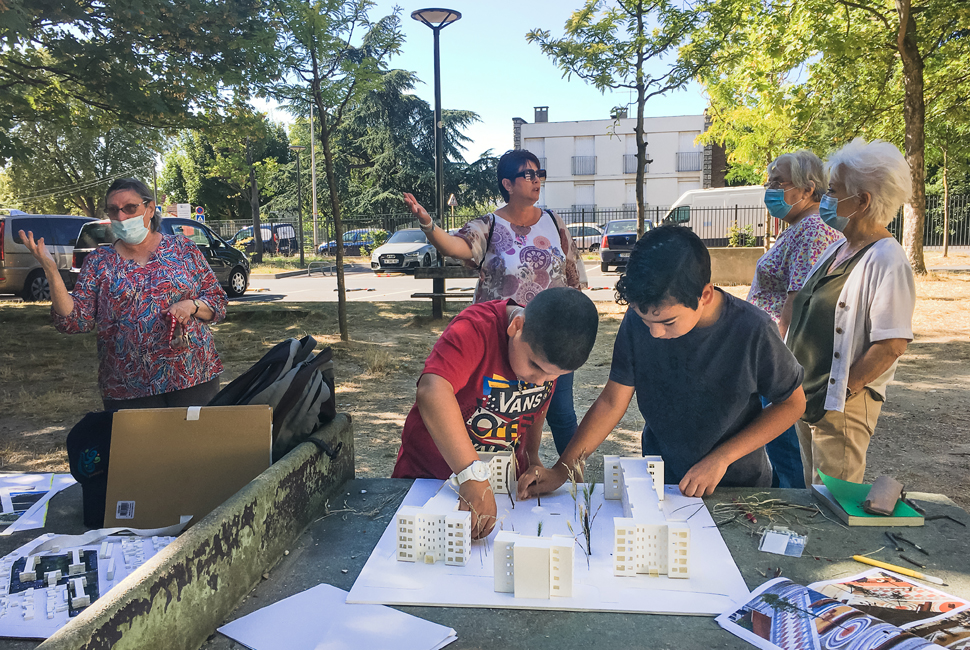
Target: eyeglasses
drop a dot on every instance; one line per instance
(532, 174)
(131, 209)
(776, 185)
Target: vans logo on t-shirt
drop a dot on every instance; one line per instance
(505, 407)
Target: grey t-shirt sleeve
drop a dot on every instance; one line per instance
(779, 374)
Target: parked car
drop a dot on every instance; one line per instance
(354, 240)
(278, 239)
(230, 265)
(586, 236)
(618, 239)
(20, 273)
(405, 249)
(712, 212)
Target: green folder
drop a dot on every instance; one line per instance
(851, 495)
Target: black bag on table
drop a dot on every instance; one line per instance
(88, 448)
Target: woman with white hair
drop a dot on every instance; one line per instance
(854, 317)
(796, 183)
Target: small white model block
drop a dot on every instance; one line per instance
(531, 556)
(80, 598)
(502, 470)
(77, 566)
(52, 577)
(643, 540)
(103, 551)
(502, 551)
(429, 536)
(533, 567)
(110, 572)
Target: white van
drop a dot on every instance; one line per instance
(710, 213)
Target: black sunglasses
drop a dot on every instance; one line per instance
(532, 174)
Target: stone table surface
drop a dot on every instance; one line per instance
(344, 540)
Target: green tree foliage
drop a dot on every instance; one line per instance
(622, 44)
(209, 167)
(158, 63)
(335, 55)
(385, 147)
(813, 73)
(74, 162)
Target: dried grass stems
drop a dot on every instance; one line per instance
(746, 511)
(582, 494)
(373, 512)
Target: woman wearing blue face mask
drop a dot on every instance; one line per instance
(853, 318)
(795, 185)
(152, 298)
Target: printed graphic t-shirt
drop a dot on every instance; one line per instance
(473, 355)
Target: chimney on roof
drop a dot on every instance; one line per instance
(542, 114)
(517, 123)
(618, 113)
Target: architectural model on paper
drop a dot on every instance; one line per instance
(431, 533)
(643, 540)
(534, 567)
(40, 593)
(644, 557)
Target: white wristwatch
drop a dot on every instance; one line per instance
(477, 471)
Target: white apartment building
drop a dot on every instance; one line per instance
(591, 164)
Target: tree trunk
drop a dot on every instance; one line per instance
(338, 225)
(946, 207)
(254, 207)
(641, 140)
(914, 114)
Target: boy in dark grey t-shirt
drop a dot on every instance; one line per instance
(697, 359)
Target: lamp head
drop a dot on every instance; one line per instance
(435, 18)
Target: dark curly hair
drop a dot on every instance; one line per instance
(669, 262)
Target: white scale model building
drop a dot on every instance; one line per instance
(644, 541)
(430, 535)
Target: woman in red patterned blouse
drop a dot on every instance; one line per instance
(152, 298)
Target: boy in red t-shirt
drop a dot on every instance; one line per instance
(486, 386)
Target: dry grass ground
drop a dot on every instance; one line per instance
(48, 381)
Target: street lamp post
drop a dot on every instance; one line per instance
(299, 195)
(437, 19)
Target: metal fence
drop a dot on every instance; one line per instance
(584, 165)
(690, 161)
(958, 226)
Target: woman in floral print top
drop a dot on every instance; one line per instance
(132, 292)
(529, 250)
(796, 183)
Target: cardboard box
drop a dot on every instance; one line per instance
(166, 463)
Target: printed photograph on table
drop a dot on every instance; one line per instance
(952, 632)
(782, 615)
(892, 597)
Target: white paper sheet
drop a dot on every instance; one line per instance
(715, 581)
(320, 619)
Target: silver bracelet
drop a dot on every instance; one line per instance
(426, 229)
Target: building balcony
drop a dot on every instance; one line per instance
(584, 165)
(690, 161)
(630, 164)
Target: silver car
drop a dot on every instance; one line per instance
(404, 250)
(20, 273)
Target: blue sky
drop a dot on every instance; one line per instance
(488, 67)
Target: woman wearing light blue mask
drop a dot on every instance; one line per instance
(795, 185)
(853, 318)
(151, 298)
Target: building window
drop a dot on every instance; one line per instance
(690, 161)
(630, 164)
(584, 165)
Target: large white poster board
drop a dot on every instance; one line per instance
(715, 582)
